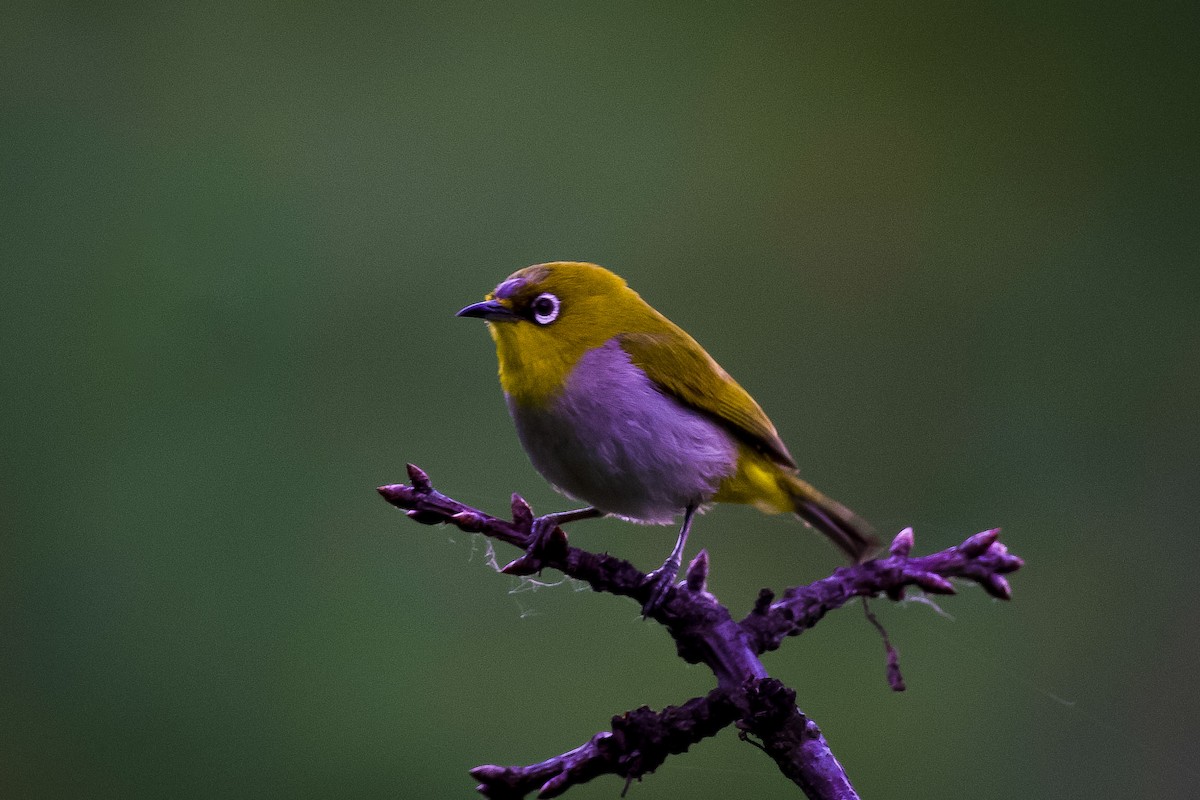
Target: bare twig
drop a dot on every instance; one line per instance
(981, 558)
(705, 632)
(639, 742)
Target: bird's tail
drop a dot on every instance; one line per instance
(847, 530)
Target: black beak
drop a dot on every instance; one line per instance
(491, 310)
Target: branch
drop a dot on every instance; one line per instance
(639, 742)
(705, 632)
(794, 741)
(604, 573)
(981, 558)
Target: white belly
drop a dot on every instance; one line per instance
(613, 440)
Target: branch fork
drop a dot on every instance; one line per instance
(705, 632)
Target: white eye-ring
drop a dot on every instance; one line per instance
(545, 308)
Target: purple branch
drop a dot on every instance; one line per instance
(639, 742)
(794, 741)
(705, 632)
(604, 573)
(981, 558)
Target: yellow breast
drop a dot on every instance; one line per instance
(533, 368)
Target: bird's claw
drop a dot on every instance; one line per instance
(541, 530)
(545, 539)
(660, 582)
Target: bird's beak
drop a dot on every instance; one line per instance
(491, 310)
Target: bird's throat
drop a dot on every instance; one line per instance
(531, 374)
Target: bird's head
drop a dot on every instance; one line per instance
(545, 317)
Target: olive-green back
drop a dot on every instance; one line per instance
(678, 365)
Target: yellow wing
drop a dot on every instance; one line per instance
(681, 368)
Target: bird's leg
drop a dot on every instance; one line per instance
(544, 525)
(661, 579)
(541, 533)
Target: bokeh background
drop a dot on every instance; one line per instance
(951, 247)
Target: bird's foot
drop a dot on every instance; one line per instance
(546, 540)
(660, 582)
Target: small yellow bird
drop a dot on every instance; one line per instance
(620, 408)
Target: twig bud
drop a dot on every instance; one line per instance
(555, 546)
(762, 603)
(997, 587)
(420, 481)
(522, 565)
(1010, 563)
(424, 517)
(522, 514)
(697, 573)
(978, 544)
(393, 492)
(555, 786)
(934, 583)
(902, 545)
(488, 772)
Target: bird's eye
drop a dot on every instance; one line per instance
(545, 308)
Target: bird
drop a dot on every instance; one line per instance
(619, 408)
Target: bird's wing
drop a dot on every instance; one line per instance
(682, 369)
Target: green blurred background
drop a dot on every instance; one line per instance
(951, 248)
